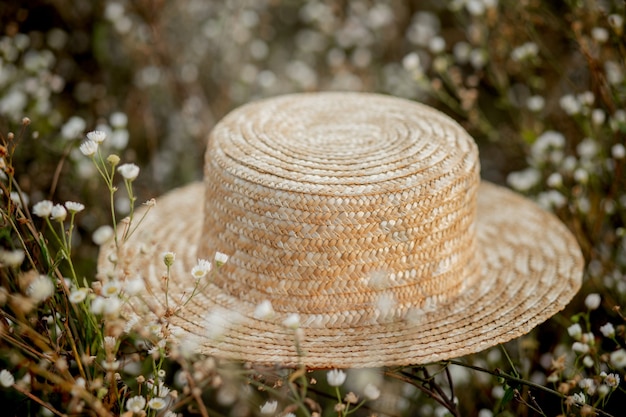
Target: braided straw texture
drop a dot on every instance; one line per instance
(363, 214)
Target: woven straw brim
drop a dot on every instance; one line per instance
(531, 269)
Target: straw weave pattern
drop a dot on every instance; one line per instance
(327, 211)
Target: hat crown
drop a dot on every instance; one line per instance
(341, 207)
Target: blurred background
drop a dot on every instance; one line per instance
(540, 85)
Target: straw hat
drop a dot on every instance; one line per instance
(358, 219)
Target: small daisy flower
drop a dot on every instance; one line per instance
(79, 295)
(74, 207)
(111, 288)
(58, 213)
(579, 398)
(269, 407)
(109, 342)
(612, 380)
(371, 392)
(292, 321)
(97, 305)
(12, 257)
(220, 258)
(102, 235)
(112, 306)
(41, 288)
(592, 301)
(618, 358)
(618, 151)
(201, 269)
(111, 366)
(580, 347)
(136, 404)
(134, 286)
(97, 136)
(336, 377)
(88, 148)
(607, 330)
(128, 171)
(157, 403)
(6, 378)
(264, 310)
(43, 209)
(575, 331)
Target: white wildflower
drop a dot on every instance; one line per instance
(269, 407)
(220, 258)
(336, 377)
(603, 390)
(128, 171)
(118, 120)
(43, 208)
(612, 380)
(134, 286)
(588, 385)
(581, 348)
(157, 403)
(555, 180)
(437, 45)
(581, 175)
(535, 103)
(618, 151)
(58, 213)
(102, 235)
(570, 104)
(112, 306)
(478, 58)
(41, 288)
(78, 295)
(88, 148)
(411, 62)
(618, 358)
(575, 331)
(592, 301)
(548, 140)
(12, 257)
(524, 180)
(371, 392)
(588, 361)
(111, 288)
(579, 398)
(136, 404)
(292, 321)
(74, 207)
(264, 310)
(73, 128)
(97, 305)
(97, 136)
(600, 34)
(16, 197)
(586, 98)
(201, 269)
(608, 330)
(598, 117)
(525, 51)
(109, 342)
(111, 365)
(6, 378)
(616, 21)
(461, 52)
